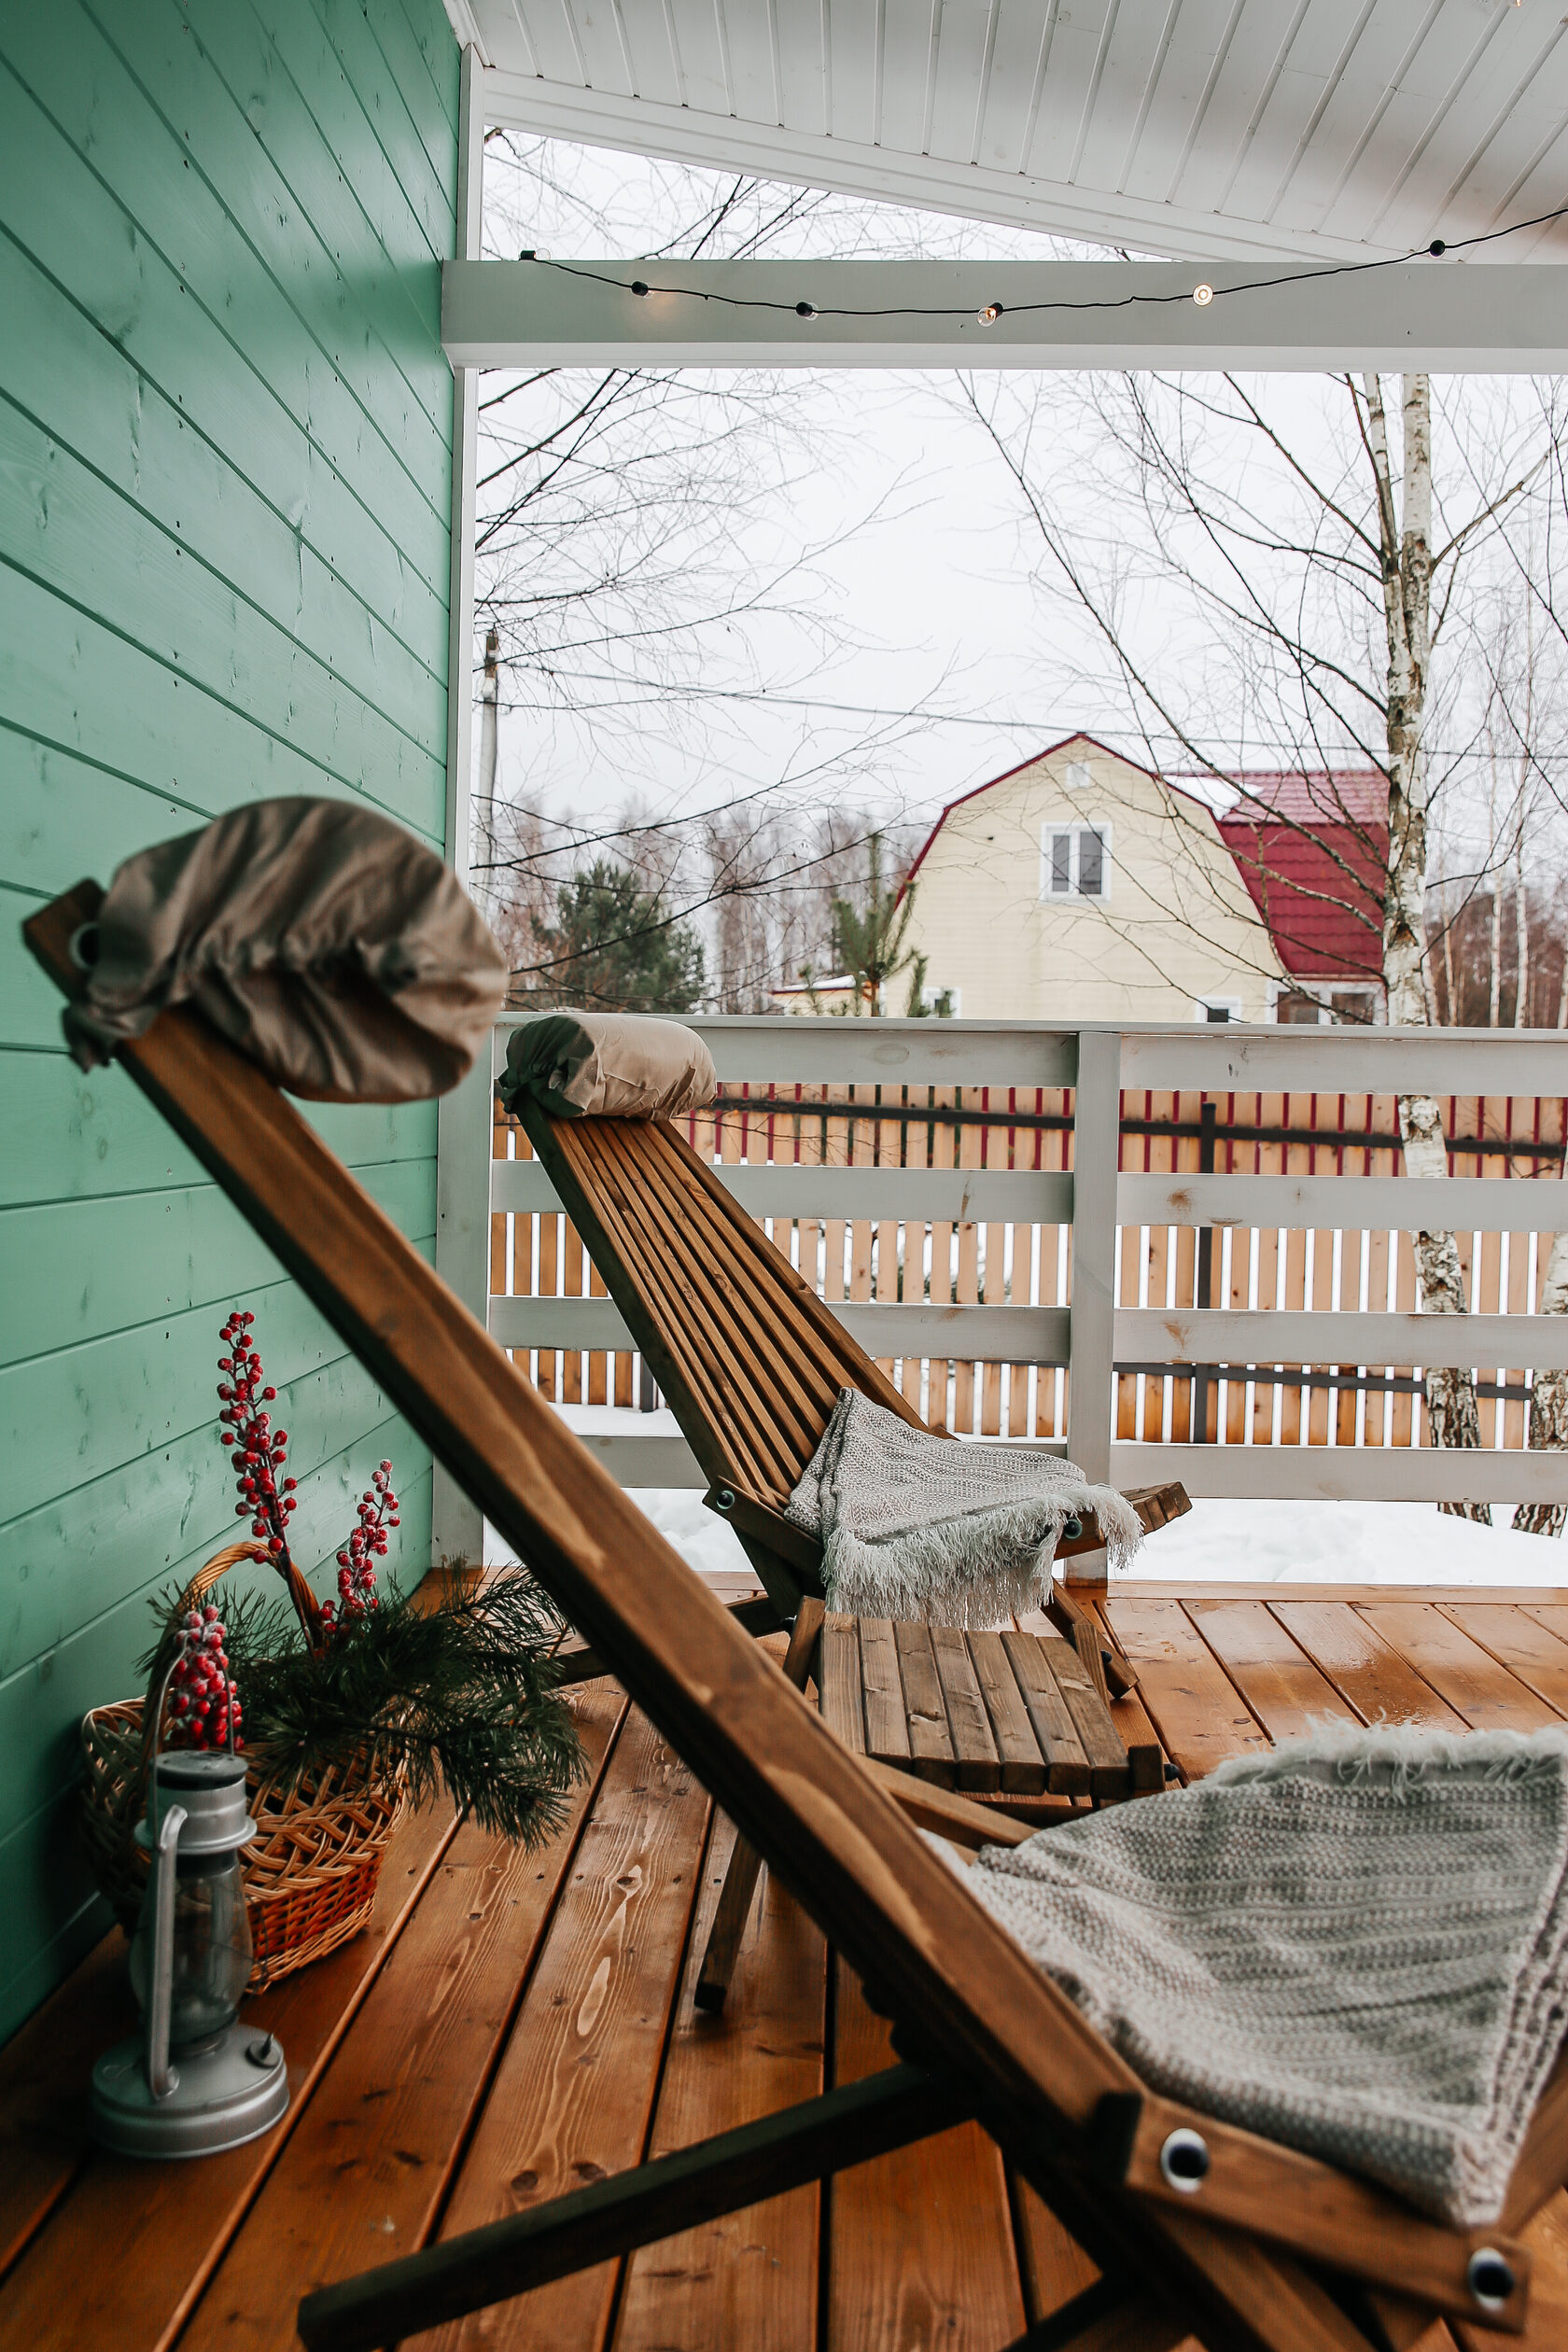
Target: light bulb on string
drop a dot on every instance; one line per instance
(1203, 294)
(988, 312)
(640, 286)
(806, 309)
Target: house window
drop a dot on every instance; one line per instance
(1076, 862)
(1078, 778)
(1217, 1008)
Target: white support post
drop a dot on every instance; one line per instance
(1097, 1147)
(463, 1118)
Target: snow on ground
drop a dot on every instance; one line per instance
(1221, 1540)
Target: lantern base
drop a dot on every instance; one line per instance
(233, 2090)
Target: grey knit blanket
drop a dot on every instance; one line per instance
(917, 1526)
(1357, 1945)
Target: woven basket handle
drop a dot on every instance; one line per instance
(194, 1594)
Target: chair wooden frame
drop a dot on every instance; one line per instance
(752, 1364)
(1242, 2260)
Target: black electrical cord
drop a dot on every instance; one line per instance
(990, 311)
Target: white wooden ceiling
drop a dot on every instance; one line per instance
(1230, 129)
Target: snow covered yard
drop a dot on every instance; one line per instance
(1219, 1541)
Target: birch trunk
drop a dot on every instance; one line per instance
(1548, 1395)
(1406, 547)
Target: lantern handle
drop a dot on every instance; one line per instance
(161, 2076)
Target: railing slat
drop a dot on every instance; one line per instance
(1219, 1335)
(1358, 1204)
(1012, 1335)
(1353, 1473)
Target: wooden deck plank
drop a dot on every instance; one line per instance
(363, 2177)
(124, 2257)
(1472, 1682)
(44, 2075)
(921, 2249)
(1190, 1700)
(1529, 1649)
(930, 1743)
(838, 1682)
(1110, 1773)
(1553, 1614)
(975, 1748)
(1285, 1691)
(1022, 1766)
(574, 2092)
(1068, 1772)
(887, 1725)
(750, 2279)
(1370, 1676)
(1055, 2267)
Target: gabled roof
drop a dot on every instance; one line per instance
(1311, 844)
(1091, 743)
(1313, 848)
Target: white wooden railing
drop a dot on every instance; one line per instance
(1077, 1247)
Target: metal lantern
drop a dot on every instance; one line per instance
(195, 2080)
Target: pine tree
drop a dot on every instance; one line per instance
(615, 947)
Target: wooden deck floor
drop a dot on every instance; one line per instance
(514, 2025)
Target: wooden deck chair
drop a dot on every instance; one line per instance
(1259, 2249)
(752, 1362)
(749, 1358)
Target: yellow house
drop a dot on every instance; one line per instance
(1079, 886)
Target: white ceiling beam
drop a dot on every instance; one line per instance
(1454, 318)
(931, 183)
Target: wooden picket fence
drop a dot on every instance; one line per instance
(976, 1263)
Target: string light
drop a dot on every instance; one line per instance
(988, 312)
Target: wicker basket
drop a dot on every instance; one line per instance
(311, 1874)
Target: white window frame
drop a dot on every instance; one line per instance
(1203, 1005)
(1073, 895)
(929, 993)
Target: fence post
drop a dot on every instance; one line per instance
(1097, 1151)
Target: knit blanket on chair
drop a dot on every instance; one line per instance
(918, 1526)
(1357, 1945)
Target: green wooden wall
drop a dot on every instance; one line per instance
(225, 455)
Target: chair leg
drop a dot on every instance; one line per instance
(740, 1882)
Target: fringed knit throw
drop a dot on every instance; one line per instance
(917, 1526)
(1357, 1946)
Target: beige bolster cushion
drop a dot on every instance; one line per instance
(614, 1065)
(329, 944)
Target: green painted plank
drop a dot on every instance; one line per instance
(167, 100)
(73, 536)
(41, 1706)
(68, 680)
(50, 1913)
(83, 690)
(58, 813)
(304, 212)
(74, 1135)
(407, 207)
(27, 1018)
(79, 1270)
(81, 1554)
(65, 1416)
(85, 100)
(83, 244)
(79, 390)
(432, 30)
(404, 93)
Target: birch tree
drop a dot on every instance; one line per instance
(1256, 574)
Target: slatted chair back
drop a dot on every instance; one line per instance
(750, 1359)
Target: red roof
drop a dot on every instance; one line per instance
(1313, 848)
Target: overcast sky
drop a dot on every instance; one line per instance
(924, 599)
